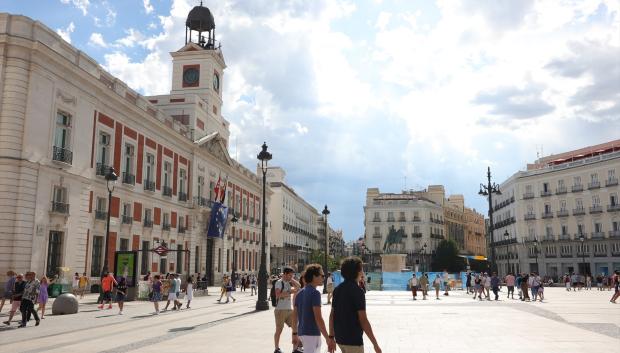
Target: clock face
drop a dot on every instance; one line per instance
(216, 82)
(190, 76)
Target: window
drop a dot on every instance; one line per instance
(377, 231)
(579, 203)
(528, 189)
(549, 231)
(128, 167)
(97, 256)
(182, 180)
(416, 229)
(167, 174)
(101, 204)
(126, 209)
(577, 181)
(390, 216)
(613, 199)
(564, 229)
(615, 226)
(124, 244)
(598, 228)
(54, 253)
(197, 260)
(104, 148)
(149, 167)
(611, 174)
(580, 229)
(62, 135)
(547, 208)
(546, 187)
(596, 201)
(200, 186)
(166, 218)
(227, 260)
(144, 260)
(147, 215)
(566, 249)
(60, 194)
(594, 177)
(560, 183)
(562, 205)
(180, 258)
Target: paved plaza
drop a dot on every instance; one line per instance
(566, 322)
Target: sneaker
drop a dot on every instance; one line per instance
(278, 350)
(109, 307)
(120, 313)
(100, 306)
(298, 351)
(234, 300)
(38, 322)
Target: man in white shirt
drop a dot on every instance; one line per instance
(284, 290)
(446, 282)
(487, 285)
(413, 284)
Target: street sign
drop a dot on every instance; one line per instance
(161, 250)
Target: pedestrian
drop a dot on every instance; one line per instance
(468, 282)
(284, 289)
(588, 282)
(223, 288)
(82, 284)
(330, 287)
(524, 287)
(437, 285)
(599, 282)
(610, 281)
(308, 323)
(540, 291)
(16, 298)
(230, 287)
(8, 289)
(446, 282)
(121, 294)
(534, 283)
(495, 285)
(156, 296)
(567, 283)
(177, 280)
(107, 284)
(616, 279)
(189, 290)
(253, 285)
(477, 287)
(510, 283)
(75, 285)
(29, 297)
(424, 285)
(413, 284)
(348, 320)
(518, 283)
(243, 279)
(43, 294)
(172, 293)
(574, 281)
(487, 286)
(362, 285)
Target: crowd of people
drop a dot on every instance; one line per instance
(23, 292)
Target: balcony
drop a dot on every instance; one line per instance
(576, 188)
(252, 221)
(416, 219)
(200, 201)
(402, 219)
(182, 196)
(148, 223)
(62, 155)
(548, 237)
(416, 235)
(566, 255)
(614, 233)
(596, 209)
(245, 218)
(528, 195)
(550, 255)
(545, 193)
(101, 215)
(391, 219)
(560, 190)
(565, 237)
(376, 219)
(598, 235)
(580, 211)
(437, 221)
(529, 216)
(126, 219)
(611, 182)
(101, 169)
(548, 214)
(129, 179)
(436, 236)
(613, 208)
(600, 254)
(376, 236)
(561, 213)
(60, 207)
(166, 191)
(165, 226)
(594, 185)
(181, 230)
(149, 185)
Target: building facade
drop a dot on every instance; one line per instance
(475, 239)
(561, 215)
(65, 122)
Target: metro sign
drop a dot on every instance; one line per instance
(161, 250)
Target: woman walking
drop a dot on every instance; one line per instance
(223, 288)
(436, 285)
(121, 294)
(156, 297)
(253, 285)
(43, 295)
(189, 290)
(8, 289)
(18, 291)
(540, 292)
(477, 286)
(330, 287)
(230, 287)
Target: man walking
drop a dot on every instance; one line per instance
(348, 320)
(413, 284)
(283, 312)
(495, 285)
(307, 309)
(446, 282)
(424, 285)
(172, 293)
(510, 283)
(31, 293)
(82, 283)
(107, 284)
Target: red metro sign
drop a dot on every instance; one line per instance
(161, 250)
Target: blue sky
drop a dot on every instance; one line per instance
(358, 94)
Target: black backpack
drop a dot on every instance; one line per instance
(272, 293)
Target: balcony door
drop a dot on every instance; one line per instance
(54, 253)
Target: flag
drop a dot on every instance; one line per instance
(217, 223)
(223, 196)
(216, 189)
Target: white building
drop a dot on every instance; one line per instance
(65, 121)
(546, 209)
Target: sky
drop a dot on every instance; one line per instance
(392, 94)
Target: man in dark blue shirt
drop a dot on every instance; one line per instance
(348, 318)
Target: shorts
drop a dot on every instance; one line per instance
(511, 289)
(172, 296)
(351, 349)
(107, 295)
(567, 285)
(15, 305)
(312, 344)
(120, 297)
(330, 288)
(8, 295)
(283, 316)
(156, 297)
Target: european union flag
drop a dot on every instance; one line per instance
(217, 224)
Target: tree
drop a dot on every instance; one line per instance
(447, 257)
(317, 256)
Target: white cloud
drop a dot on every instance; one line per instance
(66, 32)
(96, 39)
(133, 37)
(80, 4)
(148, 7)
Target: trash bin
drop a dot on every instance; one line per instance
(55, 290)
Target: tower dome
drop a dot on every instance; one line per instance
(200, 19)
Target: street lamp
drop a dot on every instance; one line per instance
(261, 303)
(582, 239)
(489, 190)
(536, 253)
(424, 258)
(325, 212)
(506, 236)
(234, 220)
(110, 179)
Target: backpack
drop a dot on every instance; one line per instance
(272, 293)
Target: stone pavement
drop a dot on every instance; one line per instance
(565, 322)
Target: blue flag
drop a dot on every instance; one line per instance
(217, 224)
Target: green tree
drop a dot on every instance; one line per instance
(447, 257)
(317, 256)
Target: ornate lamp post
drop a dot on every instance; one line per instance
(506, 237)
(582, 239)
(261, 303)
(536, 253)
(325, 212)
(489, 190)
(234, 220)
(424, 258)
(110, 179)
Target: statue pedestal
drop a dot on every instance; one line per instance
(393, 262)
